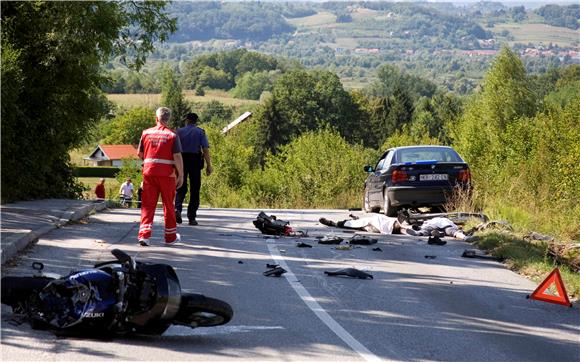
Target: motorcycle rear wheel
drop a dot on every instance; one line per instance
(197, 310)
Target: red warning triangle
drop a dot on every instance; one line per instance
(553, 279)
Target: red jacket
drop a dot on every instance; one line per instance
(157, 145)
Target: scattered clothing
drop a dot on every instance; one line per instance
(350, 272)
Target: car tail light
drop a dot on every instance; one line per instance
(399, 176)
(464, 176)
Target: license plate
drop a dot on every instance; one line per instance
(434, 177)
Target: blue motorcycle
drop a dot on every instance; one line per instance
(119, 297)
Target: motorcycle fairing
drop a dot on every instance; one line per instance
(167, 295)
(84, 294)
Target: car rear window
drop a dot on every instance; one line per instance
(438, 154)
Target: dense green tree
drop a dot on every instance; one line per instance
(302, 101)
(506, 95)
(251, 85)
(216, 112)
(51, 76)
(390, 78)
(172, 97)
(127, 127)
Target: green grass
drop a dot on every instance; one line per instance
(153, 100)
(318, 19)
(111, 187)
(528, 258)
(539, 33)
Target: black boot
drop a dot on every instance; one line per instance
(178, 217)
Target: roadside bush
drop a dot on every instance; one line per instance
(131, 169)
(318, 169)
(97, 171)
(127, 128)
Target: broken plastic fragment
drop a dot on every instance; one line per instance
(275, 272)
(330, 240)
(349, 272)
(362, 240)
(303, 245)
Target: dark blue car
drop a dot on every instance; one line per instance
(413, 177)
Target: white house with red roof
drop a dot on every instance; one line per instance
(112, 155)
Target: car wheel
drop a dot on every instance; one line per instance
(366, 207)
(388, 208)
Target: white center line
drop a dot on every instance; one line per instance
(318, 310)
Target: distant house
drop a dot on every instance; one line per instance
(112, 155)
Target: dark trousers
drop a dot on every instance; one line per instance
(192, 166)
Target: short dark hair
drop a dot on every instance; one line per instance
(191, 118)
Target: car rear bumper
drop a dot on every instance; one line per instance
(413, 196)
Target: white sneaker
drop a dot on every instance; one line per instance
(177, 239)
(144, 242)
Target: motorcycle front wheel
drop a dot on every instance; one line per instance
(197, 310)
(16, 291)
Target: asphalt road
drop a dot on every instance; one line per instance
(448, 308)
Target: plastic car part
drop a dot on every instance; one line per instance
(349, 272)
(330, 240)
(275, 272)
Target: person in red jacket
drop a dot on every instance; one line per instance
(160, 150)
(100, 189)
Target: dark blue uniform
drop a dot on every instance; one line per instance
(193, 140)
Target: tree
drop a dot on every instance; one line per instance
(251, 85)
(127, 128)
(506, 96)
(51, 75)
(302, 101)
(172, 98)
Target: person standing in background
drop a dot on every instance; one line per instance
(160, 150)
(195, 150)
(100, 189)
(126, 192)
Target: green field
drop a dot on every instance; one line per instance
(111, 187)
(153, 100)
(540, 33)
(318, 19)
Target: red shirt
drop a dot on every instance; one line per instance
(100, 191)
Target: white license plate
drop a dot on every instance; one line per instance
(434, 177)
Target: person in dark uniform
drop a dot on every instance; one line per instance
(195, 150)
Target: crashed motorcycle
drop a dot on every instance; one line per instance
(114, 298)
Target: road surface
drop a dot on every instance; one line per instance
(447, 308)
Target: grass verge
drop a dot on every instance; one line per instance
(528, 258)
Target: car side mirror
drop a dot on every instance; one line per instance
(368, 168)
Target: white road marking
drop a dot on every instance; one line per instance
(318, 310)
(187, 331)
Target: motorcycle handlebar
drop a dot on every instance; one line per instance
(124, 258)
